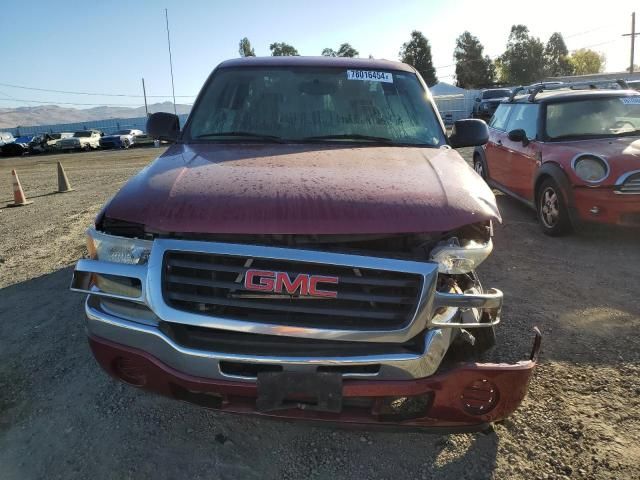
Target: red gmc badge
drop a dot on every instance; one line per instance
(280, 282)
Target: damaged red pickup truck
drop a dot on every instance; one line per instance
(306, 248)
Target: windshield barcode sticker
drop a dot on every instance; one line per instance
(368, 75)
(635, 100)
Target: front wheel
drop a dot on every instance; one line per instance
(478, 166)
(553, 214)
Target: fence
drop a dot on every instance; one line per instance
(456, 107)
(105, 126)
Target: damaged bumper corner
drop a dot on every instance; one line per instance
(464, 398)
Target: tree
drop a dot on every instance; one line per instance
(556, 57)
(417, 53)
(281, 49)
(523, 60)
(635, 68)
(346, 50)
(585, 61)
(472, 69)
(244, 48)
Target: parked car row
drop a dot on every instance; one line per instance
(83, 140)
(489, 99)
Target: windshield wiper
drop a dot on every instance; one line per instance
(256, 136)
(348, 136)
(628, 133)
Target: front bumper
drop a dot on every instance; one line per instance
(140, 339)
(463, 399)
(604, 205)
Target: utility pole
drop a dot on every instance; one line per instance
(173, 90)
(144, 92)
(633, 39)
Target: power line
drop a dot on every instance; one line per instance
(90, 93)
(11, 99)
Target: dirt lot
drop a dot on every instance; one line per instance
(61, 417)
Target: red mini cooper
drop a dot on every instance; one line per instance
(573, 155)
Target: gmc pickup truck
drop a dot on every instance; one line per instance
(306, 248)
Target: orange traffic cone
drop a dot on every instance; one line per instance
(19, 198)
(63, 181)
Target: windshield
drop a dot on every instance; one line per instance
(495, 94)
(315, 104)
(601, 117)
(122, 132)
(82, 134)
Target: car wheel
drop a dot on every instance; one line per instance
(553, 214)
(478, 166)
(87, 148)
(125, 144)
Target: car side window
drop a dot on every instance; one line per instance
(499, 119)
(525, 117)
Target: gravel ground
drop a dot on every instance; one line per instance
(62, 417)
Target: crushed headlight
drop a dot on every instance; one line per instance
(110, 248)
(454, 259)
(591, 168)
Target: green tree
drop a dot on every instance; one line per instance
(281, 49)
(523, 60)
(329, 52)
(556, 57)
(472, 69)
(417, 53)
(585, 61)
(346, 50)
(245, 49)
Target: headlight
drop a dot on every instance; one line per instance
(591, 168)
(454, 259)
(110, 248)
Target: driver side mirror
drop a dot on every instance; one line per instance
(470, 132)
(477, 99)
(163, 126)
(519, 135)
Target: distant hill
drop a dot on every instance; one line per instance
(52, 114)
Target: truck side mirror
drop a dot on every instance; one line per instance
(163, 126)
(518, 135)
(470, 132)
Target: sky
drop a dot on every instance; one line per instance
(108, 46)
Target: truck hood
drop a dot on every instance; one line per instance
(304, 189)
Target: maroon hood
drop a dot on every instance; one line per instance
(304, 189)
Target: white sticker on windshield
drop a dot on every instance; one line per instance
(369, 75)
(635, 100)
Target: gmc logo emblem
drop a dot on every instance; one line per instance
(280, 282)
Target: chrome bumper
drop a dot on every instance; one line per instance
(206, 364)
(439, 314)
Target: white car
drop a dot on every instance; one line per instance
(82, 140)
(48, 142)
(120, 139)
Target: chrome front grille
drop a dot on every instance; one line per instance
(212, 284)
(631, 184)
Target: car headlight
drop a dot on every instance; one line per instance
(110, 248)
(453, 258)
(591, 168)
